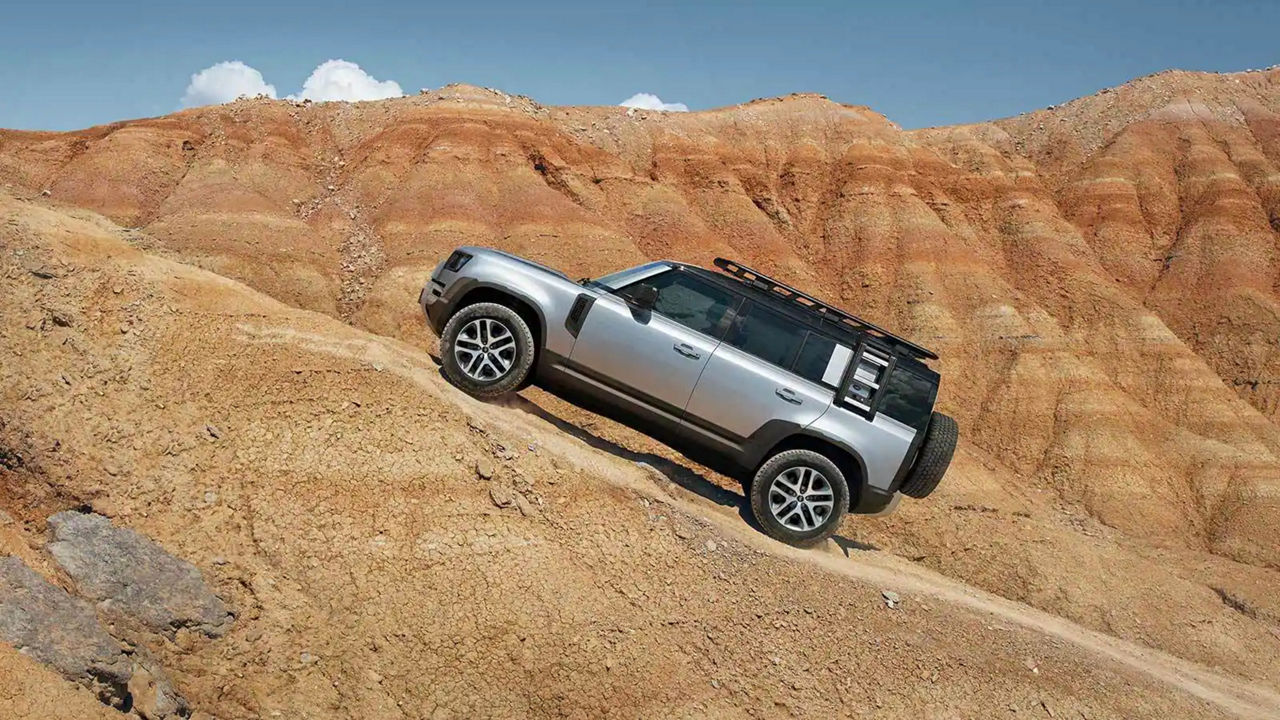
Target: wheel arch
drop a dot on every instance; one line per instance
(847, 459)
(523, 306)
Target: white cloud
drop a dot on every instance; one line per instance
(343, 80)
(331, 80)
(225, 82)
(649, 101)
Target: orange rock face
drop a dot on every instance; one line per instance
(1099, 279)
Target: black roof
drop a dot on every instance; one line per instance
(806, 309)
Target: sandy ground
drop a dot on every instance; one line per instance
(325, 480)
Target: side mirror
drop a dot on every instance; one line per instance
(644, 296)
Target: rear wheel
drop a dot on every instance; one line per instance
(799, 497)
(486, 349)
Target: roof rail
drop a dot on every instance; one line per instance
(816, 306)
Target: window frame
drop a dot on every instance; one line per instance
(739, 305)
(721, 325)
(820, 382)
(744, 310)
(808, 331)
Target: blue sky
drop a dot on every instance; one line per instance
(68, 65)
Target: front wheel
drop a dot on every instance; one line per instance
(799, 497)
(486, 349)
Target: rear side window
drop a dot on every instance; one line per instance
(908, 398)
(815, 361)
(689, 301)
(777, 339)
(767, 335)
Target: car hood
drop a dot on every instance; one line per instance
(517, 258)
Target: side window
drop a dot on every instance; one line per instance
(908, 398)
(823, 360)
(689, 301)
(767, 335)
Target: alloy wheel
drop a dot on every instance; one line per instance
(485, 349)
(801, 498)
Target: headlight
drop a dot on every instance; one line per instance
(456, 261)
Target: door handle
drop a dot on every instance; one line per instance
(686, 350)
(788, 394)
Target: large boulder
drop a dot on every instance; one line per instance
(43, 621)
(129, 574)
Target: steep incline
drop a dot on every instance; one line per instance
(1120, 465)
(325, 481)
(1053, 368)
(1174, 182)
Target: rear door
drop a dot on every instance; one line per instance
(653, 357)
(767, 368)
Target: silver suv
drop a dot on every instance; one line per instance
(816, 411)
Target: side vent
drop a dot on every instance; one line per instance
(578, 313)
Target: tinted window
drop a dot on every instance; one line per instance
(814, 357)
(689, 301)
(908, 398)
(766, 335)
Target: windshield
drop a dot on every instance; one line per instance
(622, 278)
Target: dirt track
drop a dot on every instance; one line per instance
(875, 569)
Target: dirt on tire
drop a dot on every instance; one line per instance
(761, 488)
(511, 378)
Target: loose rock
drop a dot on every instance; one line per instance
(501, 496)
(522, 503)
(130, 574)
(153, 697)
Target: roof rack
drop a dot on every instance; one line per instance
(823, 310)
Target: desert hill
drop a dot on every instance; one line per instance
(333, 489)
(1099, 279)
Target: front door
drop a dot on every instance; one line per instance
(654, 357)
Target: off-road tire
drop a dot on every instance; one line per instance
(759, 490)
(515, 375)
(935, 455)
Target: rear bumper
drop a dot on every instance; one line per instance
(873, 501)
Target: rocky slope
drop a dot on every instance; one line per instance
(1097, 277)
(388, 547)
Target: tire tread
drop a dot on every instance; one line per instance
(758, 495)
(524, 339)
(935, 457)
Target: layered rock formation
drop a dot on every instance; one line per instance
(1099, 279)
